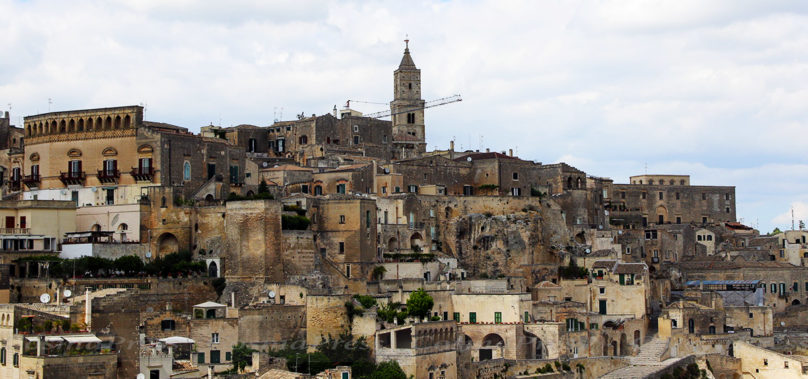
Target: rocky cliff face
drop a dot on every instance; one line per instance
(519, 244)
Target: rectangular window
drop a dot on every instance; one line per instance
(456, 316)
(214, 338)
(677, 196)
(234, 174)
(367, 219)
(384, 189)
(445, 316)
(643, 195)
(342, 247)
(228, 356)
(111, 196)
(774, 288)
(348, 271)
(200, 358)
(341, 188)
(341, 219)
(703, 196)
(660, 196)
(704, 220)
(211, 170)
(678, 219)
(473, 317)
(782, 288)
(304, 188)
(498, 317)
(215, 356)
(74, 168)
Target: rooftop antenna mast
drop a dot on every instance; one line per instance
(646, 168)
(792, 218)
(50, 101)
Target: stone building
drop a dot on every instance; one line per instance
(424, 350)
(346, 233)
(107, 156)
(215, 333)
(669, 200)
(407, 107)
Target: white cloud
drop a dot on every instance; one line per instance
(712, 89)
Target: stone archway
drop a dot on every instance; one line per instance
(415, 240)
(167, 244)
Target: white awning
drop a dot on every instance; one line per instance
(210, 304)
(175, 340)
(82, 339)
(47, 339)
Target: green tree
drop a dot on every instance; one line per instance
(130, 264)
(263, 187)
(776, 231)
(420, 303)
(388, 370)
(242, 356)
(378, 272)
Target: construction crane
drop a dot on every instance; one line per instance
(428, 104)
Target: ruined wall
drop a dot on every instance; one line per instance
(253, 240)
(299, 252)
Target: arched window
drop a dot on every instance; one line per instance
(186, 171)
(3, 356)
(163, 202)
(123, 227)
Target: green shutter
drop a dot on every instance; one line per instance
(456, 316)
(622, 279)
(472, 317)
(200, 358)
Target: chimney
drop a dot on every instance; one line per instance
(487, 150)
(451, 145)
(6, 114)
(335, 111)
(510, 152)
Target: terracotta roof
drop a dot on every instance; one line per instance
(630, 268)
(604, 264)
(546, 284)
(288, 167)
(737, 225)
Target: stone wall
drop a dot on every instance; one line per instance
(325, 315)
(268, 326)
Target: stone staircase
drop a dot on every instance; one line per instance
(647, 362)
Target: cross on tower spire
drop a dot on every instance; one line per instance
(406, 41)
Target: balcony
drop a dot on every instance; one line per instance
(109, 176)
(15, 230)
(31, 181)
(143, 174)
(14, 184)
(72, 177)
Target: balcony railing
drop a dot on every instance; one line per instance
(108, 176)
(31, 180)
(14, 184)
(143, 173)
(15, 230)
(72, 177)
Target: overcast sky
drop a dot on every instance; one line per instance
(714, 89)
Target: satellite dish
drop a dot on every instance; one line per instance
(148, 254)
(271, 294)
(587, 251)
(264, 164)
(468, 159)
(68, 293)
(141, 376)
(44, 298)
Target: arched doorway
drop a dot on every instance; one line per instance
(662, 214)
(392, 244)
(691, 326)
(605, 345)
(415, 241)
(95, 228)
(795, 302)
(578, 184)
(167, 244)
(623, 344)
(636, 338)
(614, 348)
(213, 270)
(491, 343)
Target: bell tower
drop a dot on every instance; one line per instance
(407, 108)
